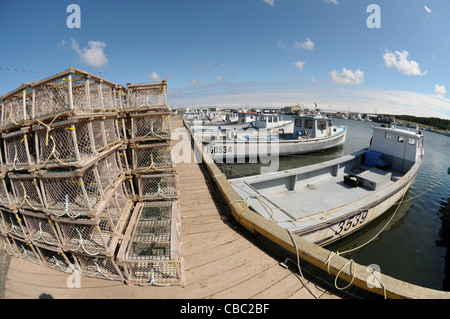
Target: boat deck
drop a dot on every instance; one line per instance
(220, 260)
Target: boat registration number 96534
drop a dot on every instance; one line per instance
(351, 222)
(220, 149)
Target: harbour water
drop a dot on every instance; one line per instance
(415, 241)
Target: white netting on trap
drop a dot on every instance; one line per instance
(26, 251)
(42, 229)
(6, 195)
(99, 235)
(55, 258)
(65, 145)
(26, 190)
(151, 157)
(8, 246)
(72, 91)
(18, 146)
(157, 186)
(16, 107)
(99, 267)
(147, 95)
(150, 253)
(150, 126)
(14, 224)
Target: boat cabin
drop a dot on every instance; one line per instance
(309, 126)
(397, 149)
(269, 121)
(246, 117)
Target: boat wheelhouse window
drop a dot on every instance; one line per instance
(411, 141)
(309, 123)
(298, 122)
(388, 135)
(400, 139)
(321, 125)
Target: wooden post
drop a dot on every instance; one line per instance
(70, 93)
(88, 93)
(24, 104)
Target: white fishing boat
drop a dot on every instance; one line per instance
(270, 135)
(330, 200)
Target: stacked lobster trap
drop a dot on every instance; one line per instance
(71, 146)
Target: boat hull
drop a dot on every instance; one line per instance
(350, 223)
(219, 150)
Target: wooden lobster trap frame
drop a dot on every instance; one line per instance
(19, 151)
(99, 267)
(16, 107)
(99, 235)
(80, 192)
(150, 126)
(26, 250)
(74, 142)
(149, 252)
(150, 157)
(14, 224)
(157, 186)
(55, 258)
(26, 190)
(73, 91)
(146, 96)
(7, 245)
(42, 230)
(6, 195)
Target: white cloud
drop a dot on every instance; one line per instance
(219, 79)
(155, 76)
(427, 9)
(399, 60)
(440, 90)
(93, 55)
(364, 100)
(196, 83)
(299, 65)
(347, 77)
(270, 2)
(332, 1)
(307, 45)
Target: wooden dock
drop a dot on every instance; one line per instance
(221, 260)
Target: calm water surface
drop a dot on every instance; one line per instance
(414, 245)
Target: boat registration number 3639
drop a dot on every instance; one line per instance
(220, 149)
(351, 222)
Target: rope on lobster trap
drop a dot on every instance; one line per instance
(25, 255)
(152, 281)
(81, 245)
(100, 272)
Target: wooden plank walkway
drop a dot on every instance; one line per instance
(220, 259)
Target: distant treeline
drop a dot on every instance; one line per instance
(435, 122)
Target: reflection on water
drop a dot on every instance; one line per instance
(413, 246)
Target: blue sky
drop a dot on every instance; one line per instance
(244, 52)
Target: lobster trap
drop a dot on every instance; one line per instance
(150, 126)
(13, 224)
(55, 258)
(42, 230)
(26, 250)
(25, 187)
(74, 142)
(96, 236)
(80, 192)
(150, 157)
(72, 91)
(6, 195)
(16, 107)
(149, 253)
(8, 246)
(145, 96)
(99, 267)
(157, 186)
(18, 149)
